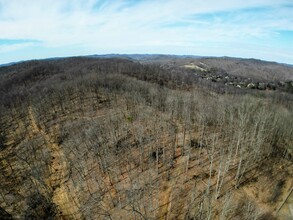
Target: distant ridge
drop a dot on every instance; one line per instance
(152, 57)
(10, 64)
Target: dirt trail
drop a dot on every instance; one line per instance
(165, 201)
(63, 194)
(286, 208)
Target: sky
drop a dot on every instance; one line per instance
(37, 29)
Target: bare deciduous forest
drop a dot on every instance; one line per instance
(153, 138)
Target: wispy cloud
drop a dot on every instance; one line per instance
(16, 41)
(149, 26)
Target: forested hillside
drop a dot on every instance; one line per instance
(128, 138)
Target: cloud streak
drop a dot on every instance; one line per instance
(149, 26)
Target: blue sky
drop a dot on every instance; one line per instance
(38, 29)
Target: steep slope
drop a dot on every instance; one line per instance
(85, 138)
(63, 193)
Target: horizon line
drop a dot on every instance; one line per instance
(143, 54)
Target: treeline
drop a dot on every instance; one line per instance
(33, 76)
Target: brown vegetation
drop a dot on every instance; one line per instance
(87, 138)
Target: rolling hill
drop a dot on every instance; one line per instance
(146, 137)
